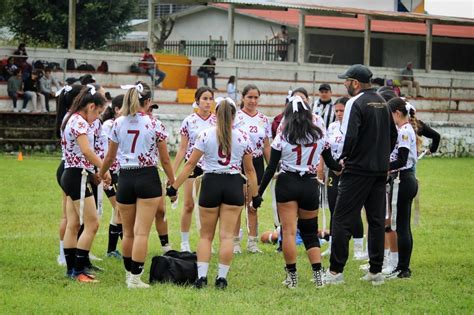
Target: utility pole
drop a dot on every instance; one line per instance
(71, 42)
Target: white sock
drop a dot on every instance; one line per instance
(223, 271)
(203, 267)
(394, 258)
(386, 252)
(252, 239)
(185, 237)
(61, 250)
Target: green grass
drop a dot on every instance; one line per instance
(31, 281)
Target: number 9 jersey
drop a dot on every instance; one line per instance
(300, 158)
(137, 137)
(216, 161)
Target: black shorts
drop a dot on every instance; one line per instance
(217, 189)
(143, 183)
(196, 172)
(113, 189)
(59, 172)
(71, 183)
(259, 168)
(302, 189)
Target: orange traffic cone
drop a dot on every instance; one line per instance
(20, 156)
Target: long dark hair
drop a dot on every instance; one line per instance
(298, 127)
(63, 103)
(199, 92)
(109, 112)
(84, 98)
(399, 104)
(245, 91)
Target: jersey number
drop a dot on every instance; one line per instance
(135, 134)
(253, 129)
(222, 155)
(297, 149)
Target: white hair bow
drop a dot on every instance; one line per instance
(139, 88)
(93, 90)
(409, 107)
(228, 99)
(294, 100)
(195, 105)
(65, 88)
(289, 95)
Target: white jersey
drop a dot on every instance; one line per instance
(192, 127)
(214, 160)
(335, 140)
(406, 139)
(137, 137)
(301, 158)
(258, 127)
(102, 143)
(75, 127)
(317, 121)
(61, 132)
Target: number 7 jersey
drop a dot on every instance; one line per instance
(137, 137)
(300, 158)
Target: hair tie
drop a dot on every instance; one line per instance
(65, 88)
(138, 87)
(92, 89)
(195, 105)
(220, 99)
(409, 107)
(295, 100)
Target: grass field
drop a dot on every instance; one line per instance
(32, 282)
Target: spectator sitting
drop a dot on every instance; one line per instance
(20, 57)
(46, 82)
(207, 70)
(8, 69)
(148, 63)
(32, 91)
(231, 89)
(15, 89)
(408, 80)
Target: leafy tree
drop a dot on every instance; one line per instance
(47, 21)
(163, 28)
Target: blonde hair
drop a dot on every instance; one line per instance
(134, 99)
(225, 114)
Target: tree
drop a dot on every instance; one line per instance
(47, 21)
(164, 27)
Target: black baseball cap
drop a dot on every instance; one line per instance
(358, 72)
(325, 87)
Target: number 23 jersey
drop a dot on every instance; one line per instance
(216, 161)
(137, 137)
(258, 128)
(300, 158)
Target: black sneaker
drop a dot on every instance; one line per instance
(405, 274)
(93, 268)
(221, 283)
(200, 283)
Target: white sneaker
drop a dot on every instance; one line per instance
(291, 280)
(185, 247)
(237, 248)
(16, 110)
(61, 261)
(25, 110)
(134, 282)
(318, 278)
(388, 270)
(94, 257)
(252, 246)
(376, 279)
(329, 278)
(166, 248)
(327, 252)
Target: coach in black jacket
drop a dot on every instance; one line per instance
(369, 137)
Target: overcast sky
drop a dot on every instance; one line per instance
(460, 8)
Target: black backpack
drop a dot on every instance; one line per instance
(71, 64)
(174, 267)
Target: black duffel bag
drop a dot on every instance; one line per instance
(174, 267)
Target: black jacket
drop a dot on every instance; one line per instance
(370, 137)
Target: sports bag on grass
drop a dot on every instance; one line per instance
(175, 267)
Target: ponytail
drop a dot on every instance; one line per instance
(225, 114)
(135, 99)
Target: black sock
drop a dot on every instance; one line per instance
(70, 255)
(82, 258)
(316, 266)
(113, 238)
(291, 267)
(164, 239)
(127, 262)
(120, 230)
(137, 267)
(81, 229)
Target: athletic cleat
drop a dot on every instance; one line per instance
(94, 257)
(388, 270)
(61, 261)
(134, 282)
(201, 283)
(166, 248)
(406, 274)
(330, 278)
(327, 252)
(93, 268)
(376, 279)
(221, 283)
(237, 248)
(318, 278)
(253, 248)
(399, 274)
(291, 280)
(114, 254)
(185, 247)
(85, 278)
